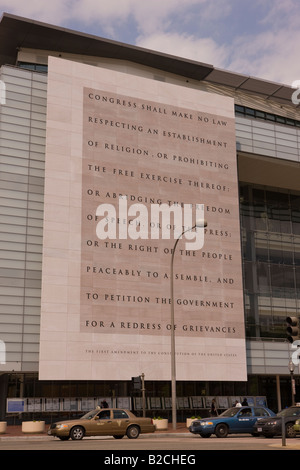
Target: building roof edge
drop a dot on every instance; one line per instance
(18, 32)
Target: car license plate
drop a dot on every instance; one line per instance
(259, 429)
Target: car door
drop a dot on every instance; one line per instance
(101, 425)
(245, 420)
(120, 422)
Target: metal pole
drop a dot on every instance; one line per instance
(278, 392)
(143, 395)
(291, 369)
(293, 388)
(283, 437)
(173, 358)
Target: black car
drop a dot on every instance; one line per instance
(270, 427)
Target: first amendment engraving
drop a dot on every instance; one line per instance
(141, 168)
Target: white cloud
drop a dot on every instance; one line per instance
(54, 11)
(264, 45)
(181, 45)
(269, 55)
(106, 15)
(147, 16)
(282, 14)
(272, 53)
(144, 17)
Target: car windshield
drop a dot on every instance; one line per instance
(290, 412)
(230, 412)
(90, 414)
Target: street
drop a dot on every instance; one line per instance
(174, 444)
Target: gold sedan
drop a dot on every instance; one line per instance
(103, 422)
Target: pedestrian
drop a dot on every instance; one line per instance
(213, 408)
(237, 403)
(245, 402)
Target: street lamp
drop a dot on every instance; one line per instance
(199, 223)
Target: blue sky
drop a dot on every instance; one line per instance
(259, 37)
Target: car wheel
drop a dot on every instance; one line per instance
(133, 432)
(221, 430)
(77, 433)
(118, 437)
(289, 430)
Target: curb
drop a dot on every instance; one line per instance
(45, 437)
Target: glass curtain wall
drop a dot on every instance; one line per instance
(22, 155)
(270, 221)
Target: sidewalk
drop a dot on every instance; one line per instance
(16, 432)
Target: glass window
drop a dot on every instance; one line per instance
(245, 412)
(259, 209)
(248, 276)
(104, 414)
(245, 111)
(35, 67)
(271, 254)
(297, 280)
(261, 240)
(263, 277)
(270, 117)
(260, 114)
(240, 110)
(249, 112)
(295, 213)
(287, 243)
(280, 119)
(276, 273)
(260, 412)
(289, 279)
(120, 414)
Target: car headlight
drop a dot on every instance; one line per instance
(297, 421)
(62, 426)
(205, 423)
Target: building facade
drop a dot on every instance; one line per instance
(267, 152)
